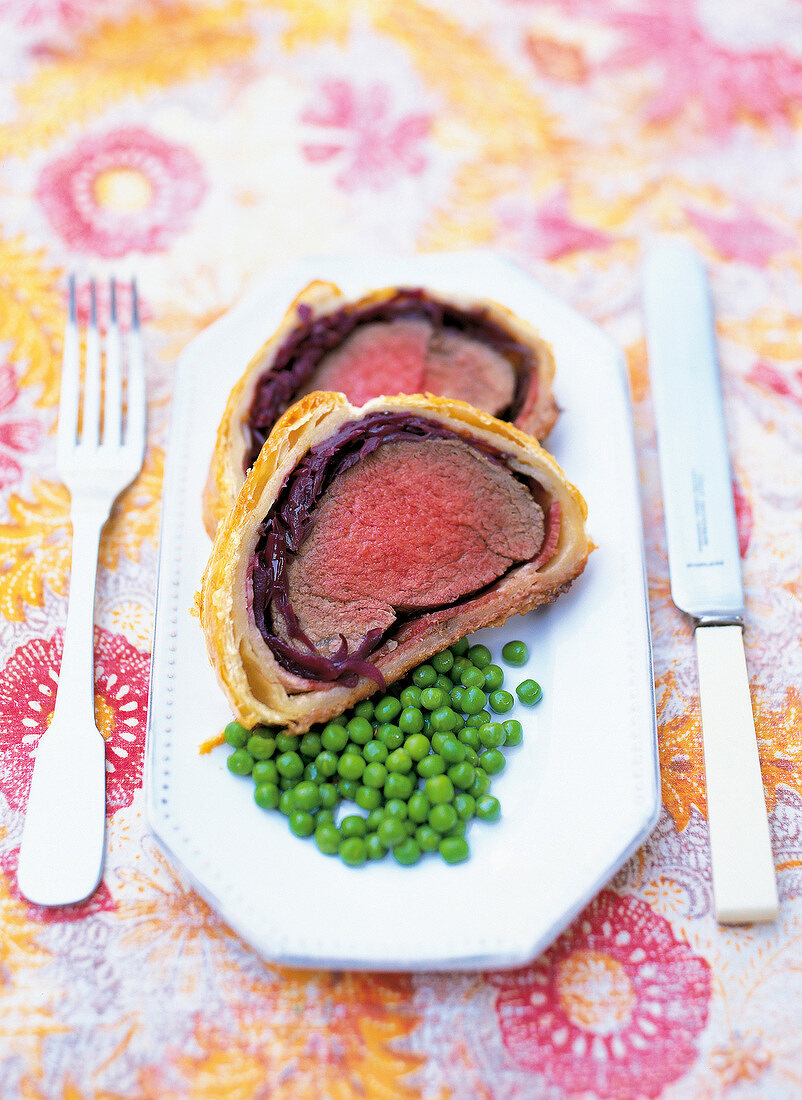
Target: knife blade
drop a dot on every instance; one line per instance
(705, 570)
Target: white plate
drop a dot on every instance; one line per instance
(578, 796)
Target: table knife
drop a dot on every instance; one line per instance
(705, 571)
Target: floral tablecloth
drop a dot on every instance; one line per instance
(201, 146)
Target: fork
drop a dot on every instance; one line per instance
(97, 456)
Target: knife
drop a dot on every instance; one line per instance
(705, 571)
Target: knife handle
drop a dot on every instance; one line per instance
(744, 882)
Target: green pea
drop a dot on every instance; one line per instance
(433, 764)
(462, 775)
(375, 752)
(286, 784)
(514, 732)
(472, 756)
(347, 788)
(286, 743)
(492, 761)
(374, 847)
(418, 807)
(465, 805)
(368, 798)
(334, 737)
(360, 730)
(529, 692)
(454, 849)
(501, 701)
(302, 823)
(459, 829)
(390, 735)
(410, 720)
(329, 795)
(492, 735)
(311, 745)
(432, 697)
(398, 785)
(457, 669)
(481, 784)
(460, 648)
(515, 653)
(265, 771)
(480, 655)
(396, 807)
(488, 808)
(364, 709)
(469, 735)
(326, 763)
(442, 662)
(452, 750)
(391, 832)
(472, 677)
(240, 762)
(373, 819)
(387, 709)
(444, 683)
(474, 700)
(353, 825)
(494, 677)
(424, 676)
(286, 803)
(236, 735)
(438, 788)
(417, 746)
(266, 795)
(428, 838)
(443, 718)
(324, 817)
(327, 838)
(353, 851)
(407, 852)
(307, 796)
(399, 760)
(350, 766)
(442, 817)
(479, 718)
(457, 697)
(312, 774)
(410, 696)
(374, 775)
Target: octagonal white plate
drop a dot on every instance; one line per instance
(578, 796)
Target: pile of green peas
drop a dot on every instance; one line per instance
(418, 761)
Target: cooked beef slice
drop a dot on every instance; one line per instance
(417, 524)
(413, 356)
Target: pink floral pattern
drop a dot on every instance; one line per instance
(743, 236)
(27, 698)
(550, 232)
(17, 435)
(372, 143)
(615, 1006)
(123, 191)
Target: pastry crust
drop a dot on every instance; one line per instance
(225, 477)
(258, 688)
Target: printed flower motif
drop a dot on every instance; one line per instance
(16, 436)
(375, 146)
(743, 236)
(123, 191)
(28, 696)
(33, 13)
(614, 1007)
(766, 375)
(550, 232)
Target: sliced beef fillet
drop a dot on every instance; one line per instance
(413, 356)
(415, 525)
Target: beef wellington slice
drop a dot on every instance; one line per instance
(392, 341)
(366, 539)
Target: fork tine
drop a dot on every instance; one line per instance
(112, 406)
(135, 430)
(90, 432)
(70, 382)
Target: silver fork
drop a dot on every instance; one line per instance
(61, 855)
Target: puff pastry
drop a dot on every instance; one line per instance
(392, 340)
(366, 539)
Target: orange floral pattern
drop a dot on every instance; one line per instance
(225, 139)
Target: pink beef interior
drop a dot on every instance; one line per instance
(412, 356)
(415, 525)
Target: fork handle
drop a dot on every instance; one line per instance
(61, 854)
